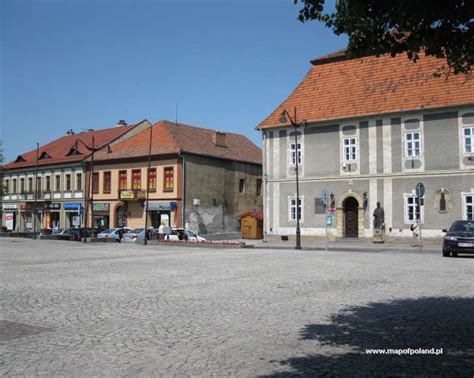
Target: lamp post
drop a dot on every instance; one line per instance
(145, 241)
(93, 149)
(36, 191)
(296, 125)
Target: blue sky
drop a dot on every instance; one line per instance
(87, 64)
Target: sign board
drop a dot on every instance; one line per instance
(9, 206)
(319, 206)
(127, 194)
(420, 190)
(26, 205)
(54, 206)
(329, 220)
(101, 206)
(72, 206)
(9, 220)
(159, 206)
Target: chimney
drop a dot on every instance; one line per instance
(218, 138)
(121, 123)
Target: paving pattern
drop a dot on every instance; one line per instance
(69, 309)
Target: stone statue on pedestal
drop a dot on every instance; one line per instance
(379, 224)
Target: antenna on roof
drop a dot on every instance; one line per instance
(176, 116)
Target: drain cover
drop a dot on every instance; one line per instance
(14, 330)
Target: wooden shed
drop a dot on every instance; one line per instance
(251, 225)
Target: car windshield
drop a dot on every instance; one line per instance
(107, 231)
(190, 233)
(462, 226)
(137, 230)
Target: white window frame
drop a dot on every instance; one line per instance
(292, 153)
(412, 143)
(471, 140)
(292, 205)
(406, 197)
(346, 149)
(465, 204)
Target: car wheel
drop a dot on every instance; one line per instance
(446, 253)
(454, 254)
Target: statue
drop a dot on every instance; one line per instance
(379, 217)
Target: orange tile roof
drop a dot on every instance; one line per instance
(59, 148)
(337, 88)
(169, 137)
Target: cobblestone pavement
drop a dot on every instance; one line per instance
(118, 310)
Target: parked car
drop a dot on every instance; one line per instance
(459, 238)
(76, 233)
(114, 233)
(137, 235)
(185, 235)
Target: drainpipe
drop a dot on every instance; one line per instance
(183, 200)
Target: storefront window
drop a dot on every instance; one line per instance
(122, 180)
(136, 179)
(168, 184)
(152, 180)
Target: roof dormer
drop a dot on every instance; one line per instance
(74, 151)
(19, 159)
(44, 155)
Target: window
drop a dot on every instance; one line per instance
(107, 182)
(293, 154)
(442, 202)
(57, 187)
(241, 185)
(412, 144)
(292, 209)
(122, 180)
(14, 186)
(48, 183)
(152, 180)
(469, 206)
(79, 181)
(412, 211)
(22, 185)
(168, 178)
(136, 179)
(30, 184)
(7, 186)
(95, 182)
(68, 182)
(349, 149)
(259, 187)
(468, 133)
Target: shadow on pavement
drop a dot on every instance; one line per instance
(431, 322)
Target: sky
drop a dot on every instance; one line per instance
(224, 65)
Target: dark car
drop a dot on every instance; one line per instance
(76, 233)
(459, 238)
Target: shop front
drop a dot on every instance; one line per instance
(26, 216)
(73, 212)
(162, 212)
(101, 215)
(52, 216)
(9, 217)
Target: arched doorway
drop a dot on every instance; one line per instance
(121, 215)
(351, 217)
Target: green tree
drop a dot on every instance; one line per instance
(443, 29)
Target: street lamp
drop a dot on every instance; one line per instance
(296, 125)
(93, 149)
(145, 241)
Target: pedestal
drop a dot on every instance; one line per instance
(379, 235)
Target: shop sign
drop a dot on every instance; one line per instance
(54, 206)
(127, 194)
(101, 206)
(9, 219)
(9, 206)
(157, 206)
(26, 205)
(72, 206)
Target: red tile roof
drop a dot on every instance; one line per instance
(169, 137)
(59, 148)
(337, 88)
(255, 214)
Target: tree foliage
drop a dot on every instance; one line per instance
(443, 29)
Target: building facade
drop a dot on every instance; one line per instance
(199, 179)
(47, 188)
(374, 128)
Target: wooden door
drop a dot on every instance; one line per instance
(351, 218)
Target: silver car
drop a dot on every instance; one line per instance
(114, 233)
(136, 236)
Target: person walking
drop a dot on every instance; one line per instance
(161, 231)
(414, 228)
